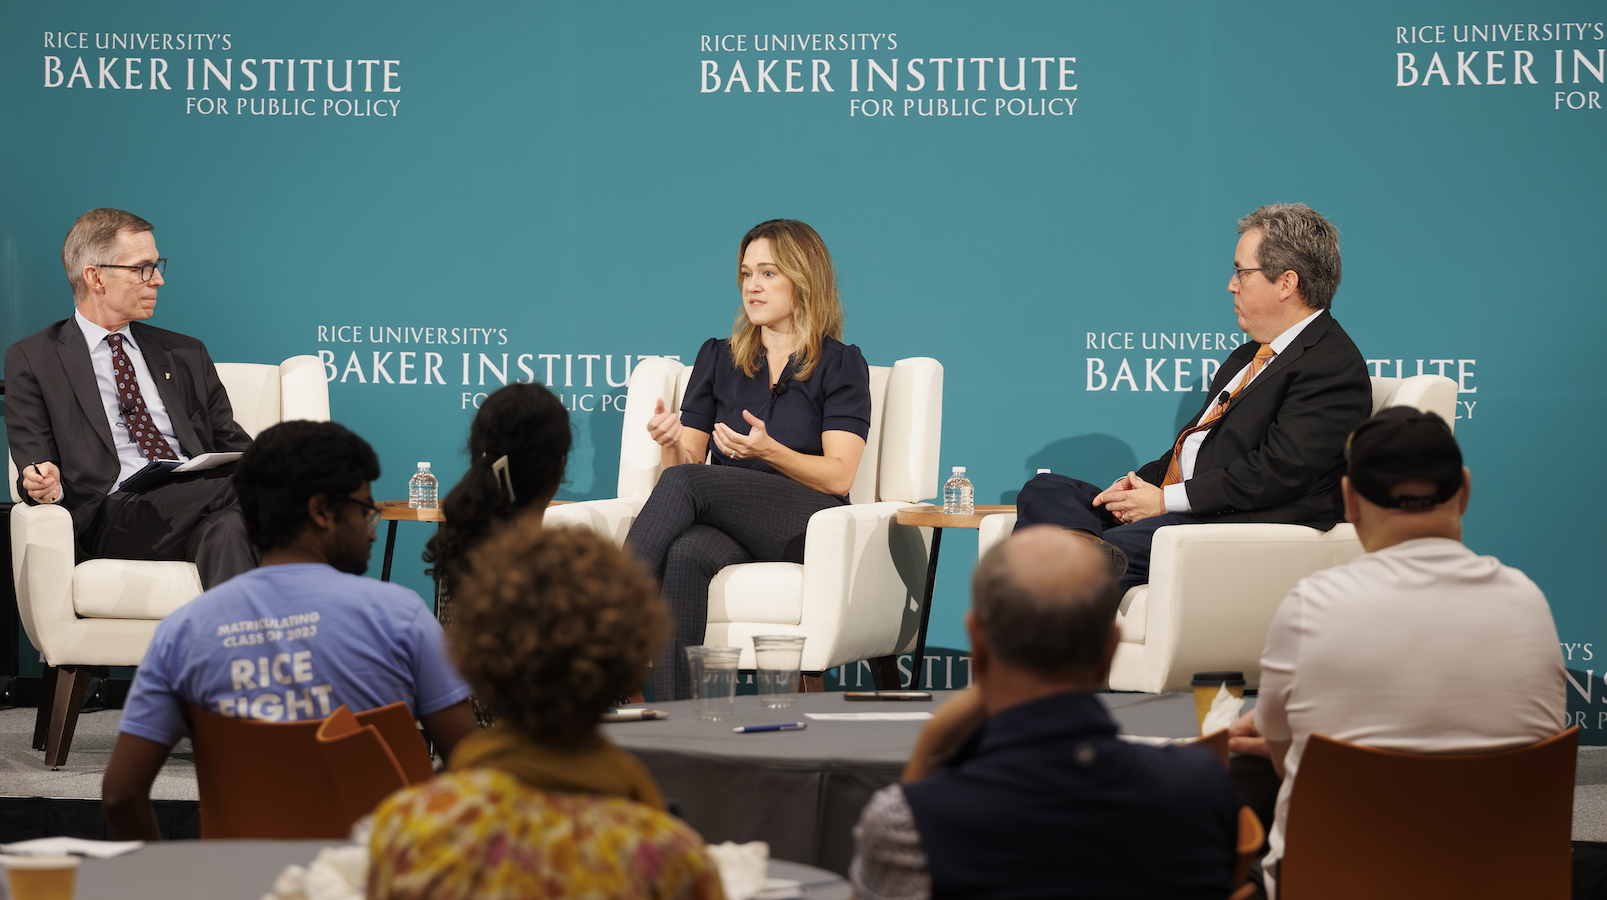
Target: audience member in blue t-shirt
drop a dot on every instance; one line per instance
(296, 638)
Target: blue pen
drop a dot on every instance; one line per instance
(785, 726)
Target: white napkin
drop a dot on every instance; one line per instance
(741, 866)
(339, 873)
(1225, 710)
(71, 846)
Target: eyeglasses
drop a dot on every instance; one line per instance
(373, 511)
(146, 270)
(1238, 273)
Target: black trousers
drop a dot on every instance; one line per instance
(701, 519)
(1067, 502)
(195, 518)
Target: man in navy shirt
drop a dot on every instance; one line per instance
(296, 638)
(1020, 787)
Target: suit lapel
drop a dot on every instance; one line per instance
(159, 360)
(1297, 348)
(74, 354)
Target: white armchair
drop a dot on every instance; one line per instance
(1214, 588)
(856, 595)
(103, 612)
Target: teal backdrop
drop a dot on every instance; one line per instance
(556, 189)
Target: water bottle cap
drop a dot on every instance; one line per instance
(424, 465)
(959, 470)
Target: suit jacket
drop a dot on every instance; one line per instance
(1278, 453)
(1045, 801)
(54, 410)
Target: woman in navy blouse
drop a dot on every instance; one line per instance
(781, 409)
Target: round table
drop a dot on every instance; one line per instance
(933, 517)
(802, 791)
(218, 870)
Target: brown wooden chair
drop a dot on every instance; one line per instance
(1380, 824)
(274, 780)
(1251, 837)
(360, 762)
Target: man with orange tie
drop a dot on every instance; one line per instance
(1268, 445)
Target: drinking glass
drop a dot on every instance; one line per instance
(714, 681)
(778, 658)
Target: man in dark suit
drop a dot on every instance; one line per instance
(90, 400)
(1268, 443)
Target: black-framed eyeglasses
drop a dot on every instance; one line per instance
(372, 513)
(146, 270)
(1238, 273)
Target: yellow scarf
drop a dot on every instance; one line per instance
(596, 766)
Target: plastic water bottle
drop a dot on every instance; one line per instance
(421, 488)
(957, 493)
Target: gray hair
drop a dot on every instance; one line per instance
(1048, 631)
(1295, 236)
(93, 239)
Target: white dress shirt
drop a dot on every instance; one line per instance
(1177, 498)
(129, 457)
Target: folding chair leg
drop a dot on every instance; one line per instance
(884, 669)
(812, 682)
(41, 721)
(64, 704)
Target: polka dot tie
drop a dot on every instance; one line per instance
(140, 427)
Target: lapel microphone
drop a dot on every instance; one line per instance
(129, 408)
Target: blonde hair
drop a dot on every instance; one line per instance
(94, 237)
(817, 313)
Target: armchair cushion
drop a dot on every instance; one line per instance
(132, 588)
(767, 592)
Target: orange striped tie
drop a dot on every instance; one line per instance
(1174, 468)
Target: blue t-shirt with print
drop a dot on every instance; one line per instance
(288, 643)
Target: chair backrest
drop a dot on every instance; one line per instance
(1365, 822)
(399, 728)
(280, 780)
(900, 462)
(1251, 836)
(1217, 743)
(364, 769)
(264, 780)
(1430, 393)
(261, 395)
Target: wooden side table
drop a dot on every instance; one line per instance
(394, 511)
(935, 518)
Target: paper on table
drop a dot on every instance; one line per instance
(71, 846)
(870, 717)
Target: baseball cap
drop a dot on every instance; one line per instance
(1402, 444)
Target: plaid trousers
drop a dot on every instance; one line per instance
(701, 519)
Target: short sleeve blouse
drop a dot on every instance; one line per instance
(835, 397)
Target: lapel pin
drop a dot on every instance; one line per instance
(167, 375)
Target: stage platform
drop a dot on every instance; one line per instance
(32, 797)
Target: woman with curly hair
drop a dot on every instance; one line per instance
(517, 447)
(551, 626)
